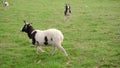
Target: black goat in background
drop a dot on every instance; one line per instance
(67, 10)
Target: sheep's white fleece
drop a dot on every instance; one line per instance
(54, 36)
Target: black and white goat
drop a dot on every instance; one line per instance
(39, 38)
(67, 10)
(5, 4)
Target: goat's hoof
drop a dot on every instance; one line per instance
(66, 55)
(39, 62)
(43, 51)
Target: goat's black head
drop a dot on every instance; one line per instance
(27, 27)
(67, 6)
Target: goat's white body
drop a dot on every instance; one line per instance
(54, 34)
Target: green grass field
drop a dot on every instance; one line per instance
(92, 33)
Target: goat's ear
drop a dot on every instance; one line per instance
(30, 23)
(25, 21)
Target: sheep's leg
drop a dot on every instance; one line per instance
(53, 51)
(41, 49)
(62, 49)
(37, 50)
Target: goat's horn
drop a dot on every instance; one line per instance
(25, 21)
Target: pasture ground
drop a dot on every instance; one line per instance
(92, 33)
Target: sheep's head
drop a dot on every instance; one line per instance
(26, 27)
(67, 6)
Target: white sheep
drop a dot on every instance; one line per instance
(48, 37)
(5, 4)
